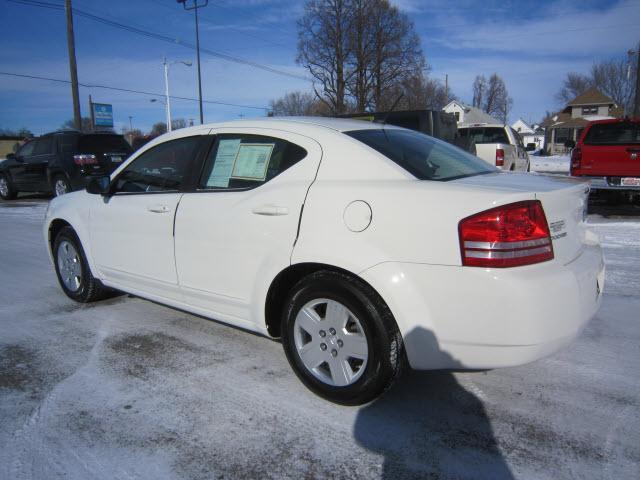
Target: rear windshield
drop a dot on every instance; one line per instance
(76, 143)
(103, 143)
(421, 155)
(485, 134)
(613, 134)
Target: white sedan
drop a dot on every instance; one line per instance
(361, 246)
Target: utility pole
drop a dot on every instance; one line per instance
(73, 67)
(446, 87)
(166, 93)
(195, 7)
(636, 104)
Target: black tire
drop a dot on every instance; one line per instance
(62, 180)
(90, 288)
(386, 357)
(11, 191)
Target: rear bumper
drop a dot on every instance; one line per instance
(609, 183)
(474, 318)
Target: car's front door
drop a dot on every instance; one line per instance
(132, 229)
(18, 166)
(236, 231)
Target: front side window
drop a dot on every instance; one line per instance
(247, 161)
(621, 133)
(163, 168)
(423, 156)
(26, 150)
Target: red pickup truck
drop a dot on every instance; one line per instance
(608, 154)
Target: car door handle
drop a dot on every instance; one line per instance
(158, 208)
(270, 210)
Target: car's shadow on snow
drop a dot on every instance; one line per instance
(429, 426)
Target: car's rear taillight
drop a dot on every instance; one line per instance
(85, 159)
(507, 236)
(499, 157)
(576, 158)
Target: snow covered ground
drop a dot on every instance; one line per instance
(550, 164)
(129, 389)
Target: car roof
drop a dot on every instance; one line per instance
(615, 120)
(483, 125)
(337, 124)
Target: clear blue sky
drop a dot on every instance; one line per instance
(531, 44)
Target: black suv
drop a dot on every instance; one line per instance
(60, 162)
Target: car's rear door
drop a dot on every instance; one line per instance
(237, 229)
(132, 230)
(612, 149)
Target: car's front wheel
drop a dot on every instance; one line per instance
(7, 190)
(72, 269)
(341, 339)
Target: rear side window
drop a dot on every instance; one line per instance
(102, 144)
(485, 134)
(43, 146)
(613, 134)
(247, 161)
(423, 156)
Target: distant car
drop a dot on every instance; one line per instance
(498, 145)
(60, 162)
(608, 154)
(361, 245)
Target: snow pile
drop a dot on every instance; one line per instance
(552, 163)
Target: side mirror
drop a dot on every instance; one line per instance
(99, 186)
(10, 156)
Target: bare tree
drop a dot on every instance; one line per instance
(616, 78)
(357, 51)
(324, 48)
(497, 103)
(85, 124)
(158, 128)
(479, 90)
(420, 92)
(575, 84)
(398, 54)
(178, 123)
(295, 104)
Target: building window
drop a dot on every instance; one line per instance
(589, 110)
(457, 115)
(562, 135)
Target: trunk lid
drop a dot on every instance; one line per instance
(564, 202)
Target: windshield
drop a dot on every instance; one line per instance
(421, 155)
(485, 134)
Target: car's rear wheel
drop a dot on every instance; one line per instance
(72, 269)
(7, 190)
(341, 339)
(61, 185)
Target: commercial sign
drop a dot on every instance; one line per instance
(102, 115)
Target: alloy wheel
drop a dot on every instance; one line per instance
(331, 342)
(61, 187)
(69, 266)
(4, 187)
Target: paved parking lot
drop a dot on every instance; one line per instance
(126, 388)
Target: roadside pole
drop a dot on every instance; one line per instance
(73, 68)
(195, 7)
(166, 93)
(636, 104)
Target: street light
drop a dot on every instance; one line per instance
(167, 103)
(195, 7)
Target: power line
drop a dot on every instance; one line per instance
(161, 37)
(129, 90)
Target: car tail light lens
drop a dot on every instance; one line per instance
(85, 159)
(576, 158)
(509, 236)
(499, 157)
